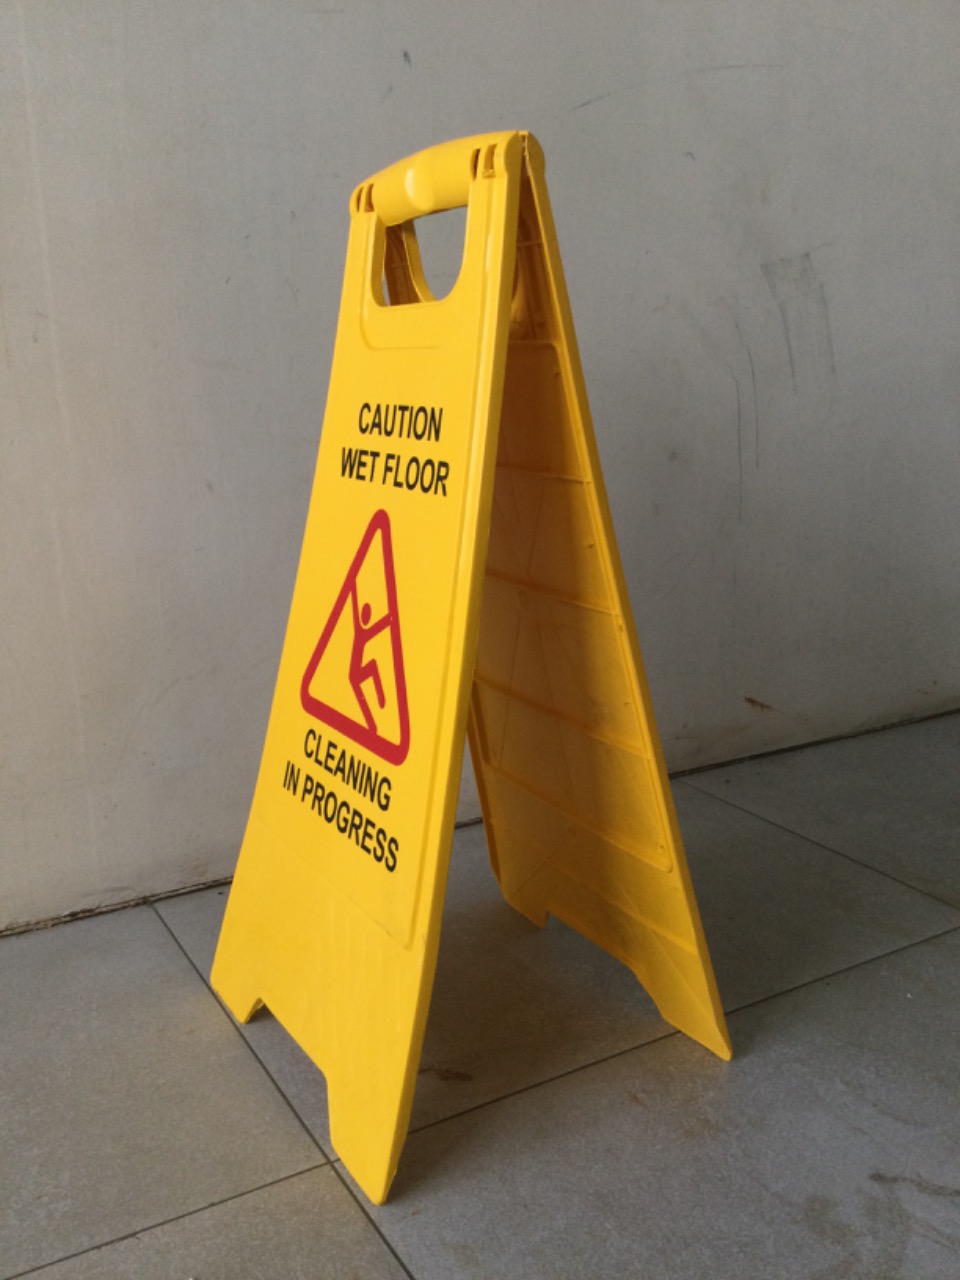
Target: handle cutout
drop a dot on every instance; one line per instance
(440, 237)
(424, 258)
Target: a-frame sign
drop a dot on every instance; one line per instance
(459, 565)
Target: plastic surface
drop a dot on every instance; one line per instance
(333, 920)
(576, 801)
(334, 916)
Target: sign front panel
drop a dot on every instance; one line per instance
(333, 920)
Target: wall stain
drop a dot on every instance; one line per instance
(758, 705)
(921, 1184)
(712, 69)
(590, 101)
(4, 339)
(736, 383)
(800, 296)
(753, 383)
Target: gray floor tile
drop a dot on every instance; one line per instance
(829, 1149)
(305, 1227)
(126, 1097)
(779, 911)
(195, 920)
(512, 1005)
(889, 799)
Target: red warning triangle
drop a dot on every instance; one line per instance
(355, 682)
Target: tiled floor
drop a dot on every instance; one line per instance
(561, 1130)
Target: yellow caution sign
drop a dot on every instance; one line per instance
(417, 518)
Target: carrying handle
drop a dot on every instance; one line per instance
(430, 181)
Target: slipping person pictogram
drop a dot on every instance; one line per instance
(360, 671)
(385, 728)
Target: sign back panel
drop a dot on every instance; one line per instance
(576, 800)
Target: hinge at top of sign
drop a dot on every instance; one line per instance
(363, 198)
(482, 161)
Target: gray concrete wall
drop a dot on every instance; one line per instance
(758, 205)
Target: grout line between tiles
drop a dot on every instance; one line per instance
(243, 1039)
(330, 1161)
(337, 1166)
(166, 1222)
(667, 1034)
(819, 844)
(671, 1033)
(539, 1084)
(848, 968)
